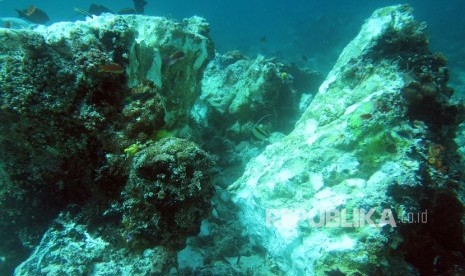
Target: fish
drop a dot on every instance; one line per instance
(8, 24)
(173, 58)
(139, 6)
(34, 15)
(259, 131)
(112, 68)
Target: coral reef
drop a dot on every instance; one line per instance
(79, 101)
(167, 195)
(69, 242)
(375, 138)
(241, 95)
(129, 148)
(237, 92)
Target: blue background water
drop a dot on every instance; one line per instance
(309, 33)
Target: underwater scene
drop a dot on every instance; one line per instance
(221, 137)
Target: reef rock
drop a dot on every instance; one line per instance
(168, 193)
(363, 183)
(78, 101)
(238, 91)
(69, 242)
(246, 103)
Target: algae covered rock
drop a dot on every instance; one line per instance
(238, 91)
(68, 241)
(359, 178)
(77, 100)
(336, 194)
(168, 193)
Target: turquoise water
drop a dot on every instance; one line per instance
(297, 30)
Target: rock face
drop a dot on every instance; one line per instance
(79, 101)
(68, 242)
(373, 149)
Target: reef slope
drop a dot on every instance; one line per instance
(373, 149)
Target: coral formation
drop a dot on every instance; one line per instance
(368, 141)
(167, 195)
(71, 140)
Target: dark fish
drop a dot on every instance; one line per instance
(366, 116)
(139, 6)
(8, 24)
(173, 58)
(263, 39)
(34, 15)
(97, 9)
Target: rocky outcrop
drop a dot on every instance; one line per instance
(246, 104)
(69, 242)
(363, 183)
(237, 92)
(361, 177)
(79, 101)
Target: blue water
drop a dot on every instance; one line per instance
(306, 32)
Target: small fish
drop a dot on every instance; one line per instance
(34, 15)
(31, 10)
(139, 6)
(263, 39)
(259, 131)
(174, 58)
(366, 116)
(8, 24)
(112, 68)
